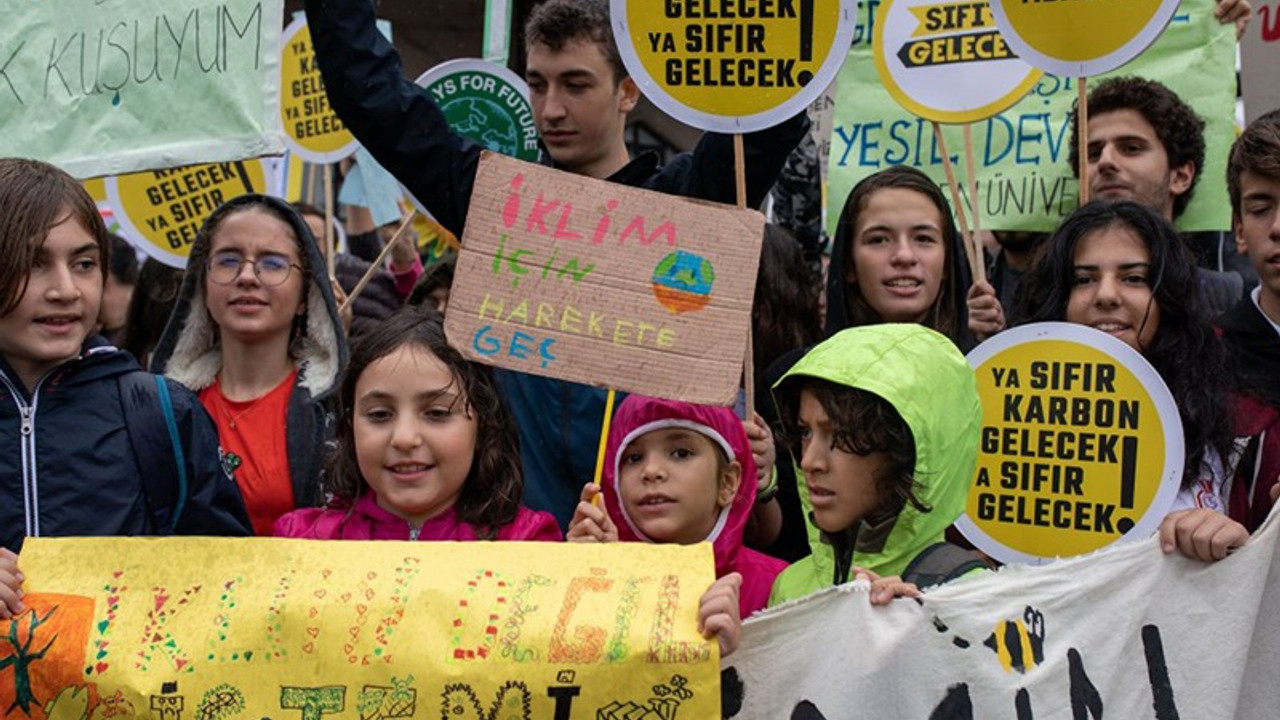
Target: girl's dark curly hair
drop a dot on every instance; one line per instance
(785, 314)
(1184, 351)
(944, 315)
(863, 423)
(490, 496)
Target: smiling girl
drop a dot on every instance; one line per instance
(893, 257)
(1121, 269)
(426, 448)
(256, 334)
(674, 473)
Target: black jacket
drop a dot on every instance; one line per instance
(408, 134)
(73, 470)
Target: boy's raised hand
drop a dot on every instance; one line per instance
(885, 589)
(1201, 534)
(10, 585)
(763, 451)
(718, 614)
(590, 522)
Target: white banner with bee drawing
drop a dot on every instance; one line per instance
(1125, 633)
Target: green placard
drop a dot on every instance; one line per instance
(102, 87)
(487, 103)
(1024, 178)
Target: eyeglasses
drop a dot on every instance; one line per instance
(271, 270)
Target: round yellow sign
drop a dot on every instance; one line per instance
(946, 61)
(161, 210)
(1081, 38)
(1081, 444)
(311, 127)
(733, 66)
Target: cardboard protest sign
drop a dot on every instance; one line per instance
(1126, 633)
(215, 628)
(1079, 39)
(1081, 444)
(161, 211)
(312, 129)
(100, 87)
(1024, 177)
(946, 61)
(1259, 58)
(733, 66)
(585, 280)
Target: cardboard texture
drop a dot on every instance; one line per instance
(219, 628)
(585, 280)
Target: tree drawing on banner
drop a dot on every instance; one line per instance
(42, 652)
(21, 641)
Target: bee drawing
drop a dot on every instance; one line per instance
(1019, 644)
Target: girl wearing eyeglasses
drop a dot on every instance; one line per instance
(256, 334)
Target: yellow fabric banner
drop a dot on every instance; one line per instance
(223, 629)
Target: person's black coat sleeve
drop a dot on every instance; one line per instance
(391, 116)
(708, 173)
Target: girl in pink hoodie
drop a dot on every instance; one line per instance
(680, 473)
(426, 448)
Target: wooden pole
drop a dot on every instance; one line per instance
(329, 251)
(955, 198)
(748, 363)
(1082, 144)
(980, 268)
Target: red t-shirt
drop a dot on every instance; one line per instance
(252, 434)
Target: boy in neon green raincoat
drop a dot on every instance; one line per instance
(884, 422)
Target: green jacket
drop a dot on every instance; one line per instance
(926, 379)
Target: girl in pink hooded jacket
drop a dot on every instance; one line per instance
(426, 449)
(674, 473)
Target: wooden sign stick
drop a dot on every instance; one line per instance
(955, 198)
(1082, 143)
(329, 250)
(980, 268)
(748, 363)
(378, 262)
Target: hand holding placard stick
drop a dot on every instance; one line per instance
(379, 261)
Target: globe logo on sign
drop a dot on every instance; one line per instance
(682, 282)
(484, 121)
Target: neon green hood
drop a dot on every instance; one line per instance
(926, 379)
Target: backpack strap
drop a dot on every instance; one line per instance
(155, 438)
(939, 563)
